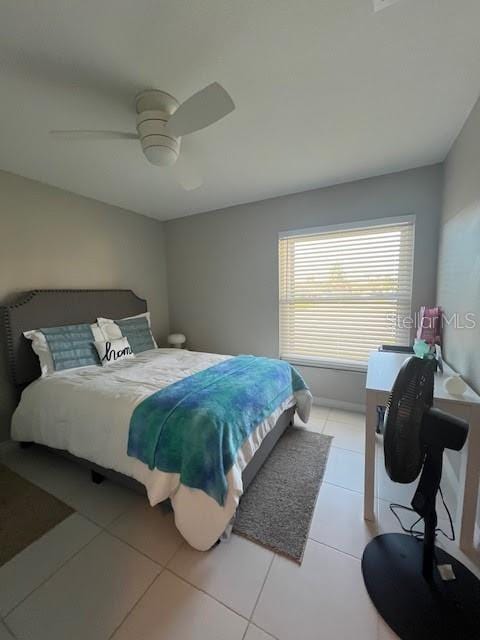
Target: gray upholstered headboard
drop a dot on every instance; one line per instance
(55, 307)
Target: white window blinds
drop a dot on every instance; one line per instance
(345, 291)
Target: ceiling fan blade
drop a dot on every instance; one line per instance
(186, 174)
(200, 110)
(85, 134)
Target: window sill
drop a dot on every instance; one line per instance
(358, 367)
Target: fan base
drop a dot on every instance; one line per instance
(413, 607)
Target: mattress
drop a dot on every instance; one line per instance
(87, 412)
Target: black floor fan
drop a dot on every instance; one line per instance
(421, 592)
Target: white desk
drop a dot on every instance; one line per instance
(382, 370)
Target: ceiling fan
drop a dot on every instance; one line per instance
(162, 121)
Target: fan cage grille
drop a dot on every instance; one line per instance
(411, 397)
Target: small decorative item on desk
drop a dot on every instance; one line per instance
(455, 385)
(428, 351)
(429, 330)
(422, 349)
(430, 325)
(176, 340)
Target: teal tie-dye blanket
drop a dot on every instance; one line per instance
(196, 426)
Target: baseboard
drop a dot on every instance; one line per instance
(339, 404)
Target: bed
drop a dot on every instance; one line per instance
(86, 412)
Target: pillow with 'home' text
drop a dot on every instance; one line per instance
(110, 351)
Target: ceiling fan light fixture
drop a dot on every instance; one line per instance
(161, 155)
(160, 150)
(159, 147)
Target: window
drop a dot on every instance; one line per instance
(345, 290)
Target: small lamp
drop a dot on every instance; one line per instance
(176, 340)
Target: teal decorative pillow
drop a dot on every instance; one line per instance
(71, 346)
(138, 333)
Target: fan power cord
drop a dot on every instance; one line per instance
(417, 533)
(452, 529)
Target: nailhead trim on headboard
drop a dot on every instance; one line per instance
(27, 297)
(8, 339)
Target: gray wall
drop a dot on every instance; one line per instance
(223, 273)
(54, 239)
(459, 254)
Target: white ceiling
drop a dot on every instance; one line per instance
(326, 91)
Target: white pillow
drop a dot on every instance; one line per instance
(110, 351)
(40, 347)
(111, 330)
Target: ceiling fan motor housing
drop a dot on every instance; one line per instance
(154, 108)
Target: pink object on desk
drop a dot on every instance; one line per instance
(430, 325)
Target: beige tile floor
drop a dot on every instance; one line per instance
(119, 569)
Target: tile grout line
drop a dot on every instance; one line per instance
(261, 590)
(103, 527)
(357, 491)
(4, 624)
(180, 547)
(183, 545)
(347, 424)
(120, 515)
(341, 486)
(329, 546)
(269, 633)
(162, 569)
(142, 553)
(55, 572)
(194, 586)
(335, 446)
(9, 629)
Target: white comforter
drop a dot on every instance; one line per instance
(87, 412)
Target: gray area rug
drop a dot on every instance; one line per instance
(26, 513)
(276, 510)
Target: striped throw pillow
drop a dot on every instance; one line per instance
(71, 346)
(138, 333)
